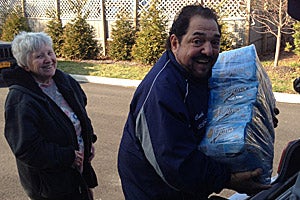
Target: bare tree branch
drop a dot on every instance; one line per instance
(270, 17)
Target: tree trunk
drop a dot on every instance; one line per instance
(277, 52)
(278, 41)
(103, 28)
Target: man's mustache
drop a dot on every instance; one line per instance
(205, 57)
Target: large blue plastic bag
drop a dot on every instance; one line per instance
(240, 130)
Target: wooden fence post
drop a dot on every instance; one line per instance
(135, 13)
(248, 24)
(103, 28)
(58, 9)
(23, 8)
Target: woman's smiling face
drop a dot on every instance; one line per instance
(199, 48)
(42, 64)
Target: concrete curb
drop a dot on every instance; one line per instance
(287, 98)
(108, 81)
(280, 97)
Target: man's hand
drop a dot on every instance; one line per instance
(243, 182)
(275, 120)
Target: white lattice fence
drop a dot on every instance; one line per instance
(228, 8)
(103, 13)
(6, 5)
(113, 7)
(92, 7)
(66, 11)
(40, 8)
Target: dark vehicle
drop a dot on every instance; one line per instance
(287, 184)
(7, 60)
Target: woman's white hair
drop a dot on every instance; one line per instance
(26, 43)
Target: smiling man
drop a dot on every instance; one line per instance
(158, 155)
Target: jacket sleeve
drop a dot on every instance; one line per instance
(24, 129)
(81, 96)
(164, 130)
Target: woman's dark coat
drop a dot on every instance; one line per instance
(43, 138)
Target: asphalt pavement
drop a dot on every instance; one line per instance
(113, 115)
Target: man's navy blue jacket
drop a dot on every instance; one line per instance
(158, 156)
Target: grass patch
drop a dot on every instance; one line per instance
(124, 70)
(285, 73)
(282, 77)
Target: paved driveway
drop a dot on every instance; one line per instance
(108, 107)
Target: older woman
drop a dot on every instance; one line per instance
(46, 123)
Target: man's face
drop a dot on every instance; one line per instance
(199, 47)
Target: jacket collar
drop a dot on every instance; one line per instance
(19, 76)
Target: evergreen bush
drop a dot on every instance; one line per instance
(78, 37)
(123, 38)
(296, 37)
(13, 24)
(55, 30)
(227, 38)
(151, 36)
(79, 43)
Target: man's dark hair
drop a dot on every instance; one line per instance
(296, 84)
(293, 9)
(182, 20)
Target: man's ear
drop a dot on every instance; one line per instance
(174, 42)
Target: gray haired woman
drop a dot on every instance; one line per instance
(46, 123)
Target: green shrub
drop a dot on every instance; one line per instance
(78, 37)
(123, 38)
(227, 38)
(78, 40)
(151, 37)
(288, 47)
(296, 37)
(13, 24)
(55, 30)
